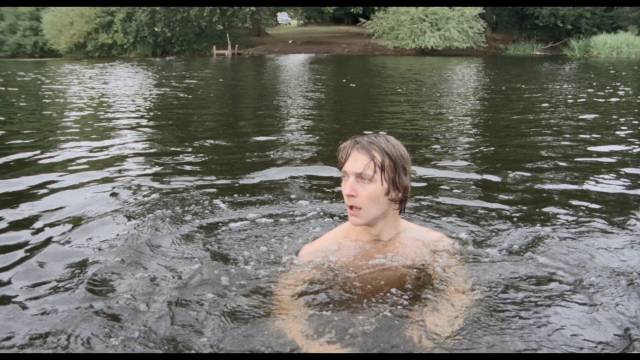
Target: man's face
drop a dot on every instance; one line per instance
(363, 192)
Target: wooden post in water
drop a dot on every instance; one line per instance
(228, 52)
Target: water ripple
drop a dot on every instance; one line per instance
(153, 204)
(438, 173)
(280, 173)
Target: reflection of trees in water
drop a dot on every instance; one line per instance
(26, 97)
(114, 96)
(530, 128)
(296, 95)
(505, 130)
(114, 90)
(461, 89)
(350, 105)
(431, 105)
(211, 109)
(428, 103)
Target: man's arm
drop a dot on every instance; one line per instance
(442, 316)
(292, 314)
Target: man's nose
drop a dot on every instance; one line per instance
(348, 188)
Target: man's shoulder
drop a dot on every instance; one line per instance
(431, 239)
(324, 245)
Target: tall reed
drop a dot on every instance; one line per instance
(578, 48)
(618, 45)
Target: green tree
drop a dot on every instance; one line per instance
(332, 14)
(149, 31)
(429, 27)
(629, 18)
(21, 33)
(563, 22)
(555, 23)
(506, 19)
(69, 29)
(260, 18)
(313, 14)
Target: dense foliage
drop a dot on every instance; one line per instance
(148, 31)
(554, 23)
(333, 14)
(161, 31)
(429, 27)
(21, 33)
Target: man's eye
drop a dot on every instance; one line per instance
(363, 179)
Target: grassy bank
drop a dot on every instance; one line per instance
(620, 45)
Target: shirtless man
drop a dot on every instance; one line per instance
(378, 247)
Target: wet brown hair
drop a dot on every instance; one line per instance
(389, 157)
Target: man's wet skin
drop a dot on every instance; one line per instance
(348, 275)
(345, 286)
(372, 268)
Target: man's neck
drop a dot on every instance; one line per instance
(384, 230)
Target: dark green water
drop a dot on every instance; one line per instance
(151, 205)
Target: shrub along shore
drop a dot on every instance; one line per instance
(90, 32)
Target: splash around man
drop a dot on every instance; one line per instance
(379, 247)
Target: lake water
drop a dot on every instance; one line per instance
(152, 205)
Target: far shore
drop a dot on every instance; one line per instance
(325, 39)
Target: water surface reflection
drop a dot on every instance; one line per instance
(152, 205)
